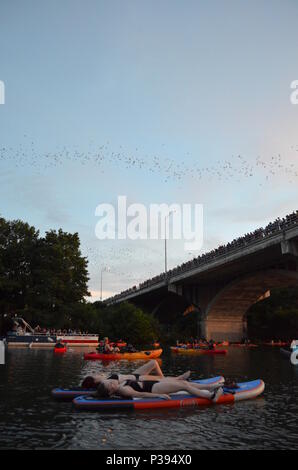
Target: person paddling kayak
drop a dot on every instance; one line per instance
(107, 348)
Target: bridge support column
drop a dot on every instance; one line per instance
(289, 247)
(224, 329)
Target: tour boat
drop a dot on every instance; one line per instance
(79, 339)
(25, 336)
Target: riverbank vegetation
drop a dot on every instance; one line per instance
(43, 279)
(275, 317)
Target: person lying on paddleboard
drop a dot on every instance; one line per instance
(155, 389)
(149, 371)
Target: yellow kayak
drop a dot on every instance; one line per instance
(200, 351)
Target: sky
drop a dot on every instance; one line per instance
(163, 102)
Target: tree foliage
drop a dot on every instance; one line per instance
(44, 280)
(128, 322)
(275, 317)
(41, 278)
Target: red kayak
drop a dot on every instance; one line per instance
(60, 348)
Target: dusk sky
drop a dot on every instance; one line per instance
(161, 101)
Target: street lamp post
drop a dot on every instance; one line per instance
(166, 217)
(105, 268)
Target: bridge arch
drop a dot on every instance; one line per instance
(224, 316)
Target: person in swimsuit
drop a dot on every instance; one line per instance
(154, 389)
(149, 371)
(107, 348)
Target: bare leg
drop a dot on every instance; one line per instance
(181, 381)
(158, 378)
(173, 386)
(184, 376)
(151, 366)
(206, 386)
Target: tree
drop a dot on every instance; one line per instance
(128, 322)
(17, 244)
(60, 275)
(43, 279)
(275, 317)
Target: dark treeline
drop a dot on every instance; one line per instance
(275, 317)
(128, 322)
(44, 280)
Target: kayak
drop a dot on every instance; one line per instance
(94, 356)
(243, 345)
(71, 393)
(60, 349)
(209, 352)
(279, 343)
(246, 391)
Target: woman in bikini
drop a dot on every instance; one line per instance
(149, 371)
(154, 389)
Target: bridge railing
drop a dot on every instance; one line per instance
(271, 230)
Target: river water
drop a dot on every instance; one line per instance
(30, 419)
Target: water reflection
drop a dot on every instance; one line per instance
(29, 418)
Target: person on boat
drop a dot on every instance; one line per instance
(149, 371)
(155, 389)
(107, 348)
(211, 344)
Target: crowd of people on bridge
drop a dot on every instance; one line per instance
(271, 229)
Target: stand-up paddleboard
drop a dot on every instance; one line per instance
(70, 394)
(132, 356)
(246, 391)
(199, 352)
(294, 357)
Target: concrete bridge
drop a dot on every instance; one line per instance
(224, 284)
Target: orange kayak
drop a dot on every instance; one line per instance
(145, 355)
